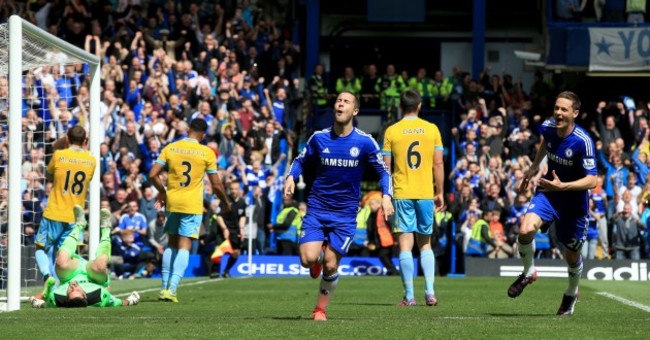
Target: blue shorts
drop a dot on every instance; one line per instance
(413, 216)
(182, 224)
(52, 233)
(570, 222)
(337, 230)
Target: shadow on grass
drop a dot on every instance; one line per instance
(304, 318)
(290, 318)
(365, 304)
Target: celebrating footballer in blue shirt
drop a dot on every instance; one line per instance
(562, 196)
(338, 156)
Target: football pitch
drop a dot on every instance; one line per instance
(362, 307)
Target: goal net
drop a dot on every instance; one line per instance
(46, 86)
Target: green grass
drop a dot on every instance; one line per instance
(362, 307)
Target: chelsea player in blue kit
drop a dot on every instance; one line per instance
(562, 196)
(338, 156)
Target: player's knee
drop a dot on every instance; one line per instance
(307, 261)
(528, 229)
(98, 266)
(330, 268)
(63, 262)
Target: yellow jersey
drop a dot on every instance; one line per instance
(72, 169)
(187, 162)
(411, 143)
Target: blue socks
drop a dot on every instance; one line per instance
(179, 266)
(406, 272)
(428, 262)
(43, 262)
(167, 261)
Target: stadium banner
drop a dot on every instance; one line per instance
(606, 270)
(266, 265)
(619, 49)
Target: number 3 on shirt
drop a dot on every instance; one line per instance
(186, 174)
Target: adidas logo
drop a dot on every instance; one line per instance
(326, 150)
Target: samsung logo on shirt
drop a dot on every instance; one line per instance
(346, 163)
(559, 160)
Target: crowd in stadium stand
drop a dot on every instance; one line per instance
(236, 67)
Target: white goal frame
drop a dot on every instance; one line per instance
(18, 28)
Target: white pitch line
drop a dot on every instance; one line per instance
(195, 283)
(625, 301)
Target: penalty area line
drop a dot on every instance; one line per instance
(625, 301)
(195, 283)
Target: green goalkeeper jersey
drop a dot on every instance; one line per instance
(97, 295)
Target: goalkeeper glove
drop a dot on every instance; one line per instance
(36, 303)
(133, 299)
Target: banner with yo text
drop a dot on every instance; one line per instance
(619, 49)
(264, 265)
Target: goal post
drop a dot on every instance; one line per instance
(30, 47)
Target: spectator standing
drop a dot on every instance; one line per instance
(441, 91)
(369, 88)
(348, 82)
(424, 85)
(626, 235)
(287, 228)
(234, 221)
(134, 221)
(380, 238)
(598, 196)
(318, 88)
(390, 86)
(158, 238)
(635, 10)
(589, 248)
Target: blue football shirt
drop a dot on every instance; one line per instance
(572, 158)
(339, 164)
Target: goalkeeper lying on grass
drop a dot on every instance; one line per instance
(83, 283)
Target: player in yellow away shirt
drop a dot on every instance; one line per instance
(70, 171)
(413, 147)
(186, 161)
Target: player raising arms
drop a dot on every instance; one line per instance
(561, 197)
(187, 162)
(338, 156)
(414, 148)
(83, 283)
(70, 170)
